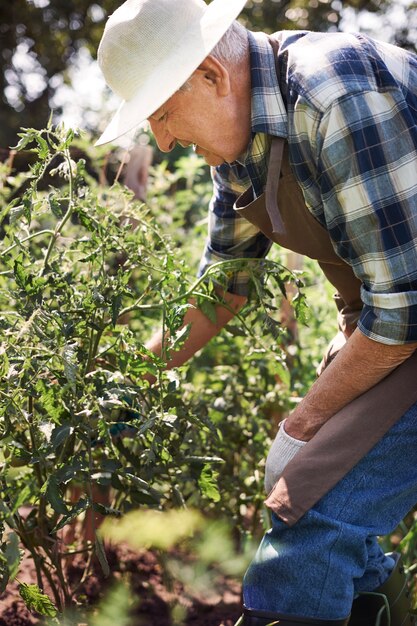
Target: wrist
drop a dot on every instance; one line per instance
(287, 437)
(300, 430)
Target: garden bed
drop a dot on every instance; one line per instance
(156, 595)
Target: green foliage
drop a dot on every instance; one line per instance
(86, 276)
(37, 601)
(114, 609)
(153, 529)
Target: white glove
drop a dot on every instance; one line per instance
(283, 449)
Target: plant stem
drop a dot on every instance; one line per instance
(55, 590)
(60, 225)
(93, 348)
(72, 552)
(33, 442)
(191, 291)
(86, 572)
(42, 516)
(32, 236)
(56, 561)
(24, 538)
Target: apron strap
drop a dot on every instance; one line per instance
(274, 166)
(272, 184)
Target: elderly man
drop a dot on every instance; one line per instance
(312, 139)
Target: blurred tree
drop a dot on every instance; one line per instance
(40, 40)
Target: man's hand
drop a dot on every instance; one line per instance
(360, 365)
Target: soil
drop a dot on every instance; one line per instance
(155, 595)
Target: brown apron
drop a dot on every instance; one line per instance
(281, 214)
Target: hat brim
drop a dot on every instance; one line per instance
(169, 76)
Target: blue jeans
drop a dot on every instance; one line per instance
(316, 567)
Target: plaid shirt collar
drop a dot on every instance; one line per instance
(268, 117)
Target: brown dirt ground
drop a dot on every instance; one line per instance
(155, 596)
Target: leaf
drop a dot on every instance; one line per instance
(25, 280)
(101, 555)
(49, 399)
(13, 554)
(19, 456)
(153, 529)
(200, 460)
(116, 305)
(82, 505)
(138, 482)
(55, 205)
(180, 337)
(21, 277)
(6, 514)
(274, 327)
(53, 495)
(208, 483)
(23, 496)
(150, 423)
(282, 372)
(43, 149)
(5, 210)
(37, 601)
(301, 307)
(71, 470)
(4, 573)
(204, 420)
(68, 139)
(106, 510)
(27, 207)
(281, 284)
(86, 220)
(235, 331)
(16, 213)
(60, 434)
(209, 310)
(26, 138)
(141, 490)
(69, 356)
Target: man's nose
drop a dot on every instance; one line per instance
(166, 142)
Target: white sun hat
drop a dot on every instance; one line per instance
(150, 48)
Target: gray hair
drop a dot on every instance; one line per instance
(231, 48)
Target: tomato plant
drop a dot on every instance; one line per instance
(86, 275)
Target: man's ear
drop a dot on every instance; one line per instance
(215, 74)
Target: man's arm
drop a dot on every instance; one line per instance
(360, 365)
(201, 329)
(368, 200)
(230, 237)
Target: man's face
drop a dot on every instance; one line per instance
(208, 115)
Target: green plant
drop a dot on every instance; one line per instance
(86, 274)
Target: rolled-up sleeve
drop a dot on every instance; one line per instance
(364, 150)
(230, 236)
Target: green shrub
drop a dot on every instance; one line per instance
(86, 275)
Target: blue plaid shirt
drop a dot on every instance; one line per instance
(351, 122)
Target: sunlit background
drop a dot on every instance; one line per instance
(48, 51)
